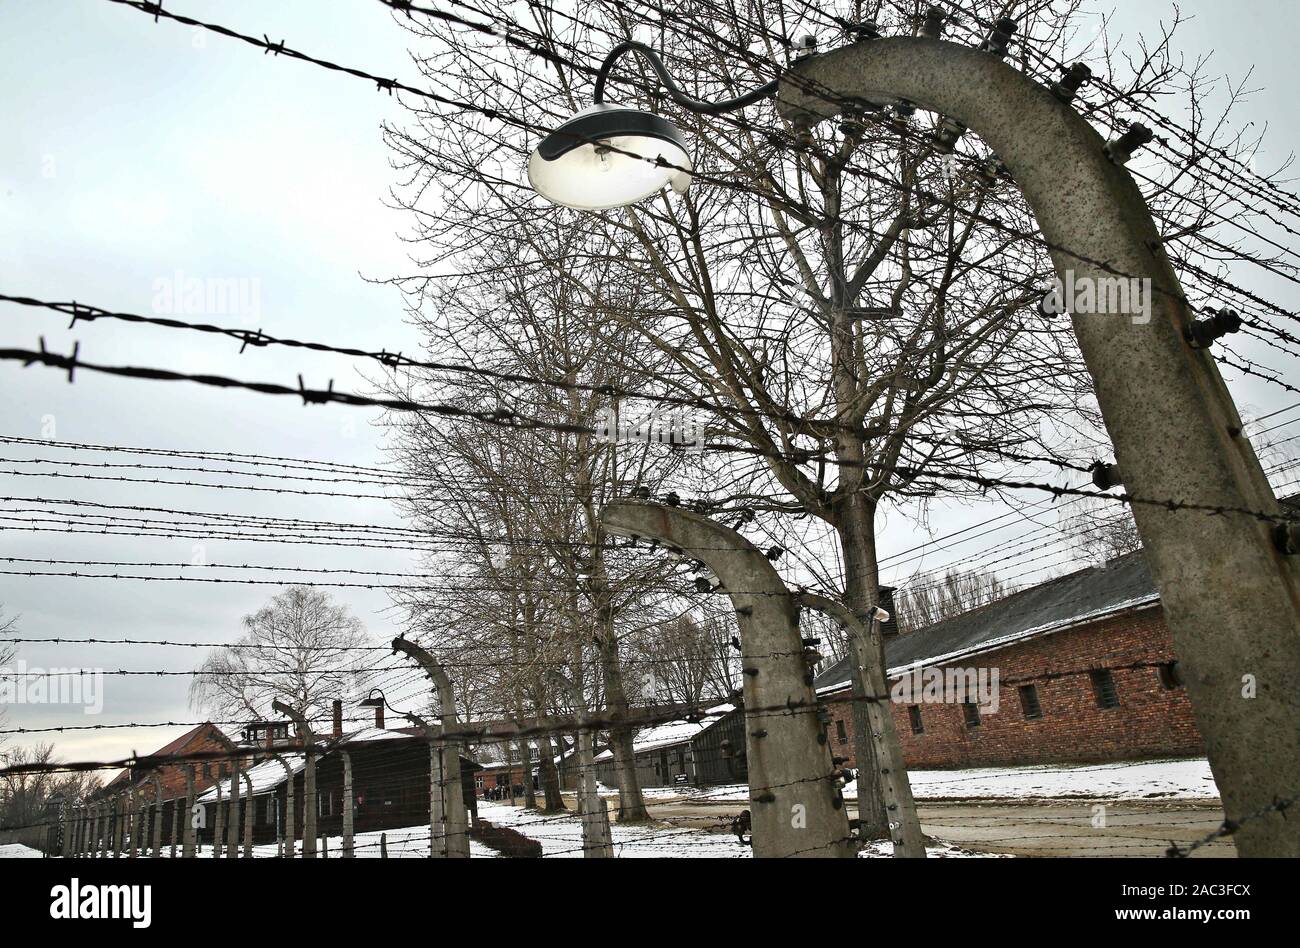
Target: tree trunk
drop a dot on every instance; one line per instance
(526, 765)
(552, 800)
(856, 526)
(631, 803)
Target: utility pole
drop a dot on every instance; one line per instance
(796, 810)
(454, 816)
(309, 802)
(873, 724)
(1230, 595)
(597, 842)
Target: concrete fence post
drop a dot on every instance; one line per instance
(157, 816)
(176, 829)
(249, 813)
(65, 829)
(105, 827)
(290, 829)
(187, 826)
(795, 808)
(348, 805)
(310, 803)
(454, 815)
(133, 822)
(437, 817)
(1229, 595)
(219, 823)
(232, 825)
(873, 721)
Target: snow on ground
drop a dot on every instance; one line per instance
(406, 842)
(1142, 780)
(561, 835)
(18, 851)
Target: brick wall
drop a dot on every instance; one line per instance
(1151, 720)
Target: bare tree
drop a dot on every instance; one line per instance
(859, 300)
(7, 652)
(688, 659)
(931, 598)
(301, 647)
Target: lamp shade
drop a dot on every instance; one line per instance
(606, 156)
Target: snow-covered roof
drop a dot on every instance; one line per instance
(1090, 594)
(265, 777)
(269, 774)
(674, 732)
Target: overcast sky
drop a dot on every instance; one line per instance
(134, 153)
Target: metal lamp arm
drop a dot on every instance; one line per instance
(674, 91)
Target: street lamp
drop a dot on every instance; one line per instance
(612, 155)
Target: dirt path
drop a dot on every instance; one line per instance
(1046, 828)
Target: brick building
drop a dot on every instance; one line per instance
(1085, 670)
(206, 738)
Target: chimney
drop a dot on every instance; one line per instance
(888, 629)
(379, 715)
(338, 718)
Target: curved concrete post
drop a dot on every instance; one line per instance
(157, 816)
(290, 829)
(310, 805)
(176, 829)
(219, 823)
(134, 822)
(874, 721)
(348, 804)
(1231, 599)
(454, 814)
(248, 815)
(795, 810)
(232, 822)
(105, 829)
(66, 824)
(187, 827)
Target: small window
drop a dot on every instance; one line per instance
(914, 715)
(972, 712)
(841, 734)
(1171, 676)
(1029, 703)
(1103, 686)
